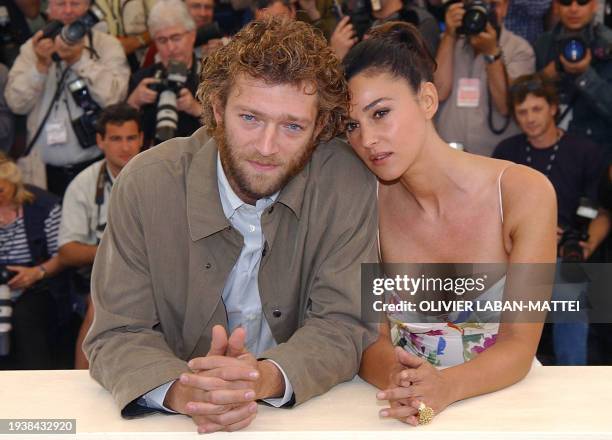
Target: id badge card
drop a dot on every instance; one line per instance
(468, 94)
(56, 132)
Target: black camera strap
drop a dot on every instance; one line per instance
(103, 178)
(56, 95)
(94, 53)
(494, 130)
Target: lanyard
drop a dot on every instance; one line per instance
(551, 157)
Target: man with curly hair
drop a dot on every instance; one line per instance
(257, 231)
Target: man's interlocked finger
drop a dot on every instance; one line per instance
(210, 382)
(225, 397)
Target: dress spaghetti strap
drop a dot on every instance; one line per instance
(501, 206)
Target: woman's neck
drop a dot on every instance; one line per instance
(428, 180)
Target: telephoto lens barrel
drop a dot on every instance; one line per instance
(6, 311)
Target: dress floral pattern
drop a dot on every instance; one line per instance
(445, 344)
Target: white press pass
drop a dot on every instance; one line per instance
(468, 92)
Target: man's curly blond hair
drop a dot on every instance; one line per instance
(278, 51)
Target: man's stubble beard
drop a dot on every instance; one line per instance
(250, 184)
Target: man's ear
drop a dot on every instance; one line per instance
(428, 99)
(99, 141)
(218, 110)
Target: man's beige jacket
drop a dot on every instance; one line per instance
(168, 249)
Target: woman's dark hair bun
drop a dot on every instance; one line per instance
(396, 47)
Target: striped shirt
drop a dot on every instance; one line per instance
(14, 243)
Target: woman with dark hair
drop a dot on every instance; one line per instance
(440, 205)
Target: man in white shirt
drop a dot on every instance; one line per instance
(47, 75)
(120, 138)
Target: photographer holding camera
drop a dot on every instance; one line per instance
(127, 21)
(60, 79)
(19, 20)
(29, 223)
(208, 34)
(477, 59)
(577, 54)
(355, 18)
(85, 205)
(164, 92)
(573, 164)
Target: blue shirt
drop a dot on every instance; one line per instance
(241, 291)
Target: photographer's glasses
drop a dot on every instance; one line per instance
(569, 2)
(175, 38)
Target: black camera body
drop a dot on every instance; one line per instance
(169, 83)
(569, 245)
(360, 13)
(6, 275)
(85, 125)
(477, 14)
(9, 40)
(74, 32)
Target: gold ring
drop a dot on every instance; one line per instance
(426, 414)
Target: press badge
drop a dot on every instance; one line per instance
(56, 132)
(468, 94)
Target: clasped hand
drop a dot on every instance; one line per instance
(220, 392)
(414, 380)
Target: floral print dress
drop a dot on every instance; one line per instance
(445, 344)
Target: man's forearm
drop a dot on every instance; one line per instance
(497, 81)
(599, 228)
(271, 383)
(53, 266)
(443, 76)
(77, 254)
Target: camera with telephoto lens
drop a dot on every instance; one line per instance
(85, 125)
(569, 245)
(206, 33)
(572, 46)
(169, 83)
(6, 311)
(74, 32)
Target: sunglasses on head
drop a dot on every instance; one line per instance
(531, 86)
(569, 2)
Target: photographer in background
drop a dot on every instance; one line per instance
(167, 100)
(573, 164)
(529, 18)
(577, 55)
(60, 80)
(29, 223)
(19, 20)
(85, 205)
(477, 59)
(274, 8)
(127, 21)
(208, 33)
(362, 15)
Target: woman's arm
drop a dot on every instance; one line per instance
(530, 222)
(530, 218)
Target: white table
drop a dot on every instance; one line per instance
(550, 403)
